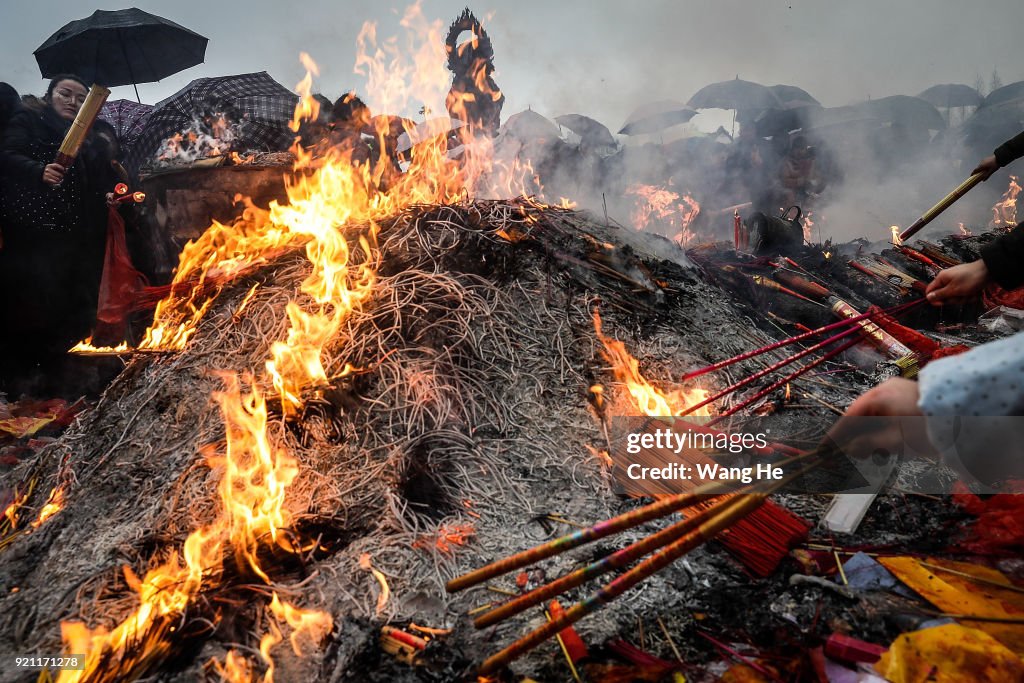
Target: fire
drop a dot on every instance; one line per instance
(86, 346)
(649, 399)
(963, 231)
(652, 202)
(236, 668)
(333, 207)
(447, 536)
(808, 225)
(1004, 213)
(689, 210)
(54, 504)
(255, 476)
(896, 235)
(326, 193)
(207, 137)
(659, 205)
(385, 590)
(308, 625)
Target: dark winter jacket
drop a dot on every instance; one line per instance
(1010, 150)
(1004, 257)
(30, 207)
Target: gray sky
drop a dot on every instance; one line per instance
(598, 58)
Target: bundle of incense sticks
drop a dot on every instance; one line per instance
(658, 550)
(761, 541)
(847, 322)
(81, 126)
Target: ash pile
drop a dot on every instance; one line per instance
(460, 417)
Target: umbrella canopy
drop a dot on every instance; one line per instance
(952, 95)
(1013, 91)
(734, 94)
(906, 110)
(657, 116)
(792, 116)
(590, 131)
(260, 105)
(832, 119)
(990, 126)
(120, 48)
(127, 117)
(529, 125)
(792, 95)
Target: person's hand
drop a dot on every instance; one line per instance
(986, 167)
(53, 174)
(896, 422)
(957, 284)
(893, 397)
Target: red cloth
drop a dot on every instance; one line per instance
(119, 287)
(994, 296)
(927, 349)
(999, 527)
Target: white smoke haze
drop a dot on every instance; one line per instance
(603, 59)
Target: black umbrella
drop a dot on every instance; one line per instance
(832, 119)
(122, 47)
(590, 131)
(656, 116)
(906, 110)
(260, 106)
(792, 95)
(952, 95)
(990, 126)
(734, 94)
(1013, 91)
(790, 117)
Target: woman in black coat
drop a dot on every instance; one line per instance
(54, 229)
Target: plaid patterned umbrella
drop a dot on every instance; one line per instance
(262, 106)
(127, 117)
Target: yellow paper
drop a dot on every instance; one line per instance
(949, 654)
(954, 594)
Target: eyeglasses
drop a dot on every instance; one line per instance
(70, 96)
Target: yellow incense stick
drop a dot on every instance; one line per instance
(81, 125)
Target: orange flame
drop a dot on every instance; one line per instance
(648, 399)
(659, 205)
(334, 204)
(85, 347)
(808, 224)
(309, 625)
(54, 504)
(1004, 213)
(235, 669)
(896, 235)
(385, 590)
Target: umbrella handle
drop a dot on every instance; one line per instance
(947, 201)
